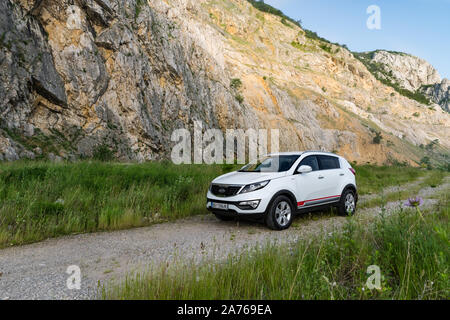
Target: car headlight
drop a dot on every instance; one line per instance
(254, 186)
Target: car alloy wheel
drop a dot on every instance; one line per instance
(350, 204)
(347, 204)
(283, 213)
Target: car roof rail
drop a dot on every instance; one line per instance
(320, 151)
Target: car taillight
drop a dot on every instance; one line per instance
(353, 171)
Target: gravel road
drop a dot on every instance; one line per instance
(38, 271)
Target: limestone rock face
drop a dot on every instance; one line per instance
(408, 71)
(79, 78)
(411, 73)
(439, 93)
(27, 64)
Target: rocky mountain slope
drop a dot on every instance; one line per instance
(101, 78)
(409, 71)
(439, 93)
(408, 74)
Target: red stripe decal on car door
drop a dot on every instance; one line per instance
(302, 203)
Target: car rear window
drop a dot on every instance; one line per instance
(328, 163)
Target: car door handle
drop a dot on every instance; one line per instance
(321, 177)
(342, 174)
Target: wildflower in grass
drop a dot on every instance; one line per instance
(415, 203)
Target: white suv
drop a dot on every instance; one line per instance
(281, 185)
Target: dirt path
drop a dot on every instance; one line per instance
(38, 271)
(393, 189)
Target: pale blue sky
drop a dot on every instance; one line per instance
(418, 27)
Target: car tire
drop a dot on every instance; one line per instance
(347, 203)
(280, 214)
(223, 218)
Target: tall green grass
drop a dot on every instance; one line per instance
(373, 179)
(432, 179)
(39, 200)
(412, 254)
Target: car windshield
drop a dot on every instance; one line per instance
(271, 164)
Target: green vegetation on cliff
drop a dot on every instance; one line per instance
(379, 72)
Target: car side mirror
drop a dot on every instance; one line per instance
(304, 169)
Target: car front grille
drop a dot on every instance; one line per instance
(224, 191)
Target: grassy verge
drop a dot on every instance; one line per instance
(39, 200)
(412, 255)
(433, 180)
(371, 179)
(42, 200)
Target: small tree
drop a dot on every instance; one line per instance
(432, 145)
(425, 161)
(103, 153)
(378, 137)
(236, 84)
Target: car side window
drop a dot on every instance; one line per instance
(310, 161)
(328, 163)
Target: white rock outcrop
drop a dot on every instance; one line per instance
(408, 71)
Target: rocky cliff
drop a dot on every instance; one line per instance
(410, 72)
(412, 75)
(84, 78)
(439, 93)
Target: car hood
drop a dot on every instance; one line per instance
(243, 178)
